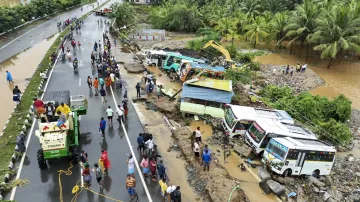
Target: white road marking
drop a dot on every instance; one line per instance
(79, 81)
(32, 41)
(31, 131)
(41, 34)
(132, 152)
(79, 117)
(82, 49)
(82, 179)
(84, 40)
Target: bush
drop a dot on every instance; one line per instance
(239, 75)
(232, 50)
(124, 14)
(15, 16)
(326, 117)
(244, 57)
(255, 66)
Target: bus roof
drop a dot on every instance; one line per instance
(177, 55)
(158, 52)
(243, 112)
(302, 144)
(289, 130)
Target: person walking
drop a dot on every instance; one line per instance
(196, 148)
(83, 157)
(96, 86)
(141, 144)
(87, 175)
(131, 164)
(138, 89)
(108, 82)
(89, 82)
(153, 169)
(102, 82)
(198, 134)
(158, 89)
(104, 159)
(102, 126)
(109, 113)
(149, 143)
(170, 189)
(176, 195)
(163, 186)
(206, 158)
(161, 169)
(98, 173)
(130, 186)
(103, 94)
(9, 77)
(120, 113)
(145, 165)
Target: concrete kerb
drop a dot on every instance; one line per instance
(28, 116)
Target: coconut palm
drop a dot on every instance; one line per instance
(258, 28)
(250, 6)
(233, 35)
(277, 26)
(302, 23)
(224, 25)
(337, 30)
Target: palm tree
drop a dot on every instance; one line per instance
(258, 28)
(302, 23)
(275, 6)
(233, 35)
(337, 30)
(277, 26)
(224, 25)
(250, 6)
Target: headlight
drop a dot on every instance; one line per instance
(277, 167)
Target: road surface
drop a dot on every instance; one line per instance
(44, 185)
(19, 40)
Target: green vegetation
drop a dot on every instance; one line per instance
(326, 118)
(14, 127)
(17, 15)
(124, 15)
(330, 27)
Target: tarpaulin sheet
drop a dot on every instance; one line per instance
(207, 67)
(208, 94)
(225, 85)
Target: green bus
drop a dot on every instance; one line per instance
(173, 61)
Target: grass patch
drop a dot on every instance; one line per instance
(14, 127)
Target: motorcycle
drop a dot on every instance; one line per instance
(75, 65)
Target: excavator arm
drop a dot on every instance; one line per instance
(218, 47)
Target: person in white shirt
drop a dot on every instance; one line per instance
(145, 76)
(196, 148)
(169, 190)
(109, 113)
(112, 76)
(120, 113)
(131, 164)
(198, 134)
(150, 145)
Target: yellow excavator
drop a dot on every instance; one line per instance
(228, 61)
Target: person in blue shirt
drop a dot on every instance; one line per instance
(141, 143)
(9, 77)
(161, 169)
(206, 160)
(102, 126)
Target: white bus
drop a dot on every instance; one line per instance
(290, 156)
(261, 131)
(152, 57)
(238, 119)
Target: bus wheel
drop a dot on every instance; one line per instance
(287, 173)
(316, 173)
(153, 64)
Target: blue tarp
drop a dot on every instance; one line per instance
(200, 66)
(208, 94)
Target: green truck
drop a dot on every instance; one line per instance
(64, 142)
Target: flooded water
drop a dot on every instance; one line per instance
(342, 78)
(248, 182)
(21, 67)
(163, 79)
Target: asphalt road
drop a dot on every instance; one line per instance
(44, 185)
(19, 40)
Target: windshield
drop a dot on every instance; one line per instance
(229, 117)
(148, 55)
(256, 132)
(276, 149)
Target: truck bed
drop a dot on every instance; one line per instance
(57, 96)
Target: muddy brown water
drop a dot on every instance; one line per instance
(342, 78)
(248, 183)
(21, 66)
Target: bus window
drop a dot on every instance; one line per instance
(292, 155)
(154, 57)
(312, 156)
(256, 133)
(326, 156)
(242, 125)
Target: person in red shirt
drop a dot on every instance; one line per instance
(40, 108)
(105, 160)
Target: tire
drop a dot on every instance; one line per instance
(75, 154)
(153, 64)
(41, 159)
(287, 173)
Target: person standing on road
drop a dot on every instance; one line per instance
(120, 113)
(196, 150)
(98, 172)
(170, 189)
(102, 82)
(206, 158)
(153, 169)
(105, 161)
(108, 82)
(109, 113)
(114, 43)
(87, 175)
(89, 82)
(103, 94)
(176, 195)
(149, 143)
(9, 77)
(83, 157)
(131, 164)
(163, 186)
(141, 144)
(145, 165)
(130, 186)
(96, 86)
(102, 126)
(161, 170)
(138, 89)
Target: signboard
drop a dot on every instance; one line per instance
(55, 153)
(149, 34)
